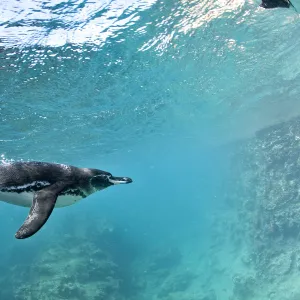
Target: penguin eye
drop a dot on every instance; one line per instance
(105, 177)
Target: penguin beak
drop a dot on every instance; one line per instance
(119, 180)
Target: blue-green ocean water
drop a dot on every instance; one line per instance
(160, 91)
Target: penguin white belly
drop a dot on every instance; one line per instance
(25, 199)
(67, 200)
(22, 199)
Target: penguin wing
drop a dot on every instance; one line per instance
(42, 206)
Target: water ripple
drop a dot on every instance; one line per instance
(56, 23)
(111, 73)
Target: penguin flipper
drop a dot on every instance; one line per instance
(42, 206)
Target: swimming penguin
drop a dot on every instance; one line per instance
(43, 186)
(275, 3)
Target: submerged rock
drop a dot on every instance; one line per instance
(74, 268)
(244, 286)
(165, 259)
(176, 283)
(268, 201)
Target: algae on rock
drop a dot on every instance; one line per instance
(74, 268)
(268, 198)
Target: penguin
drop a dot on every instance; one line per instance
(275, 3)
(44, 186)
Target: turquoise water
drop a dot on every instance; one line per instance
(183, 97)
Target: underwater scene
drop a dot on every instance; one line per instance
(196, 101)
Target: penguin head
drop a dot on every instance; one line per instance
(103, 179)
